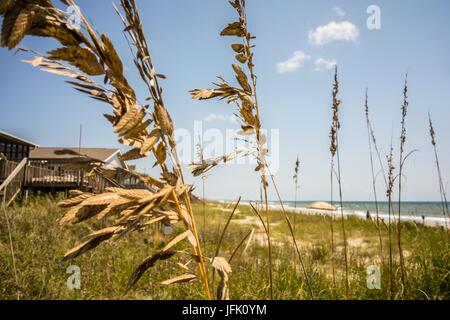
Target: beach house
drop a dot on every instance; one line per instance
(25, 166)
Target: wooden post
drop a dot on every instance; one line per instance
(82, 179)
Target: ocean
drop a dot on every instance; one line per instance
(412, 211)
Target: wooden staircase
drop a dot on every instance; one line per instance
(15, 175)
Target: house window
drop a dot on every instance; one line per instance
(14, 152)
(20, 152)
(8, 151)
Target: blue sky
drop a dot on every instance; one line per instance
(184, 39)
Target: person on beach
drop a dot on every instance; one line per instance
(368, 215)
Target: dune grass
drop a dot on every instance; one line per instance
(40, 243)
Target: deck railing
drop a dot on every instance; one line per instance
(39, 176)
(6, 168)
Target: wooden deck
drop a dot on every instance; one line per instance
(18, 176)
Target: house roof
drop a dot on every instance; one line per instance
(14, 138)
(58, 153)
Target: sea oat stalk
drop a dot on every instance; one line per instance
(296, 186)
(370, 134)
(443, 194)
(245, 98)
(404, 110)
(334, 149)
(389, 192)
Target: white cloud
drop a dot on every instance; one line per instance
(293, 63)
(339, 12)
(322, 64)
(220, 117)
(334, 31)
